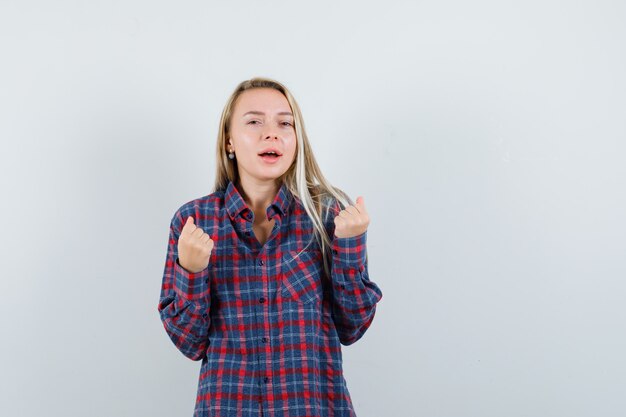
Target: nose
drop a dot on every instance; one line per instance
(270, 133)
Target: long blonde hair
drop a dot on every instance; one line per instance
(304, 179)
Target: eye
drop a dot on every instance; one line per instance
(288, 123)
(252, 121)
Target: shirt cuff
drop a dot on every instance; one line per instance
(190, 285)
(350, 251)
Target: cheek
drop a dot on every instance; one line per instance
(245, 144)
(291, 150)
(291, 156)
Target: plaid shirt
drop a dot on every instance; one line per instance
(265, 320)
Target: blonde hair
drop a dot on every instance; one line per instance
(303, 178)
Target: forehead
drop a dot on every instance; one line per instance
(266, 100)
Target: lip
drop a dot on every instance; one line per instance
(279, 153)
(270, 160)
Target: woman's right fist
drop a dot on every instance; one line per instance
(194, 247)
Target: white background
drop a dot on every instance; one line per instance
(487, 138)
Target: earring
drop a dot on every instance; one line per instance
(231, 155)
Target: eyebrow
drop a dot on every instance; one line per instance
(282, 113)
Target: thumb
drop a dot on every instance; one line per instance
(188, 224)
(360, 203)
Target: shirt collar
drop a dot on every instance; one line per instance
(235, 203)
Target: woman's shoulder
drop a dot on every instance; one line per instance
(209, 201)
(201, 208)
(333, 201)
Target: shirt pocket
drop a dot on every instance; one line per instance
(301, 274)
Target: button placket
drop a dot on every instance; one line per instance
(261, 263)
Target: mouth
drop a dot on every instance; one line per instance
(270, 157)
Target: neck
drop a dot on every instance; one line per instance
(258, 195)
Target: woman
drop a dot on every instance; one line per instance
(266, 277)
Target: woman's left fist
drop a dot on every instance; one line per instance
(353, 220)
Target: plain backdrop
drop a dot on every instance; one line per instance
(487, 138)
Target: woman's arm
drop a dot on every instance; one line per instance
(184, 300)
(354, 295)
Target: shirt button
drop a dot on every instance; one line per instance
(261, 262)
(266, 379)
(261, 300)
(335, 251)
(204, 315)
(264, 340)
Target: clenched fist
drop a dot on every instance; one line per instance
(353, 220)
(194, 247)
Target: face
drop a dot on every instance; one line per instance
(262, 119)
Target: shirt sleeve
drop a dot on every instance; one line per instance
(354, 295)
(184, 300)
